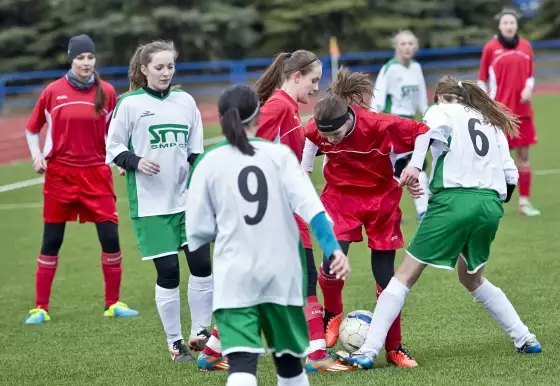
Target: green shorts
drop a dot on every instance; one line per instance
(284, 328)
(159, 236)
(458, 222)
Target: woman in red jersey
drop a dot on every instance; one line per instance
(292, 78)
(506, 72)
(77, 109)
(360, 189)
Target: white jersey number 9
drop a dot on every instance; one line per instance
(260, 196)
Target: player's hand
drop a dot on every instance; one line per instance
(148, 167)
(526, 95)
(339, 265)
(415, 190)
(40, 165)
(121, 171)
(409, 176)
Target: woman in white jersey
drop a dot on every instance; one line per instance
(473, 174)
(243, 194)
(400, 89)
(155, 133)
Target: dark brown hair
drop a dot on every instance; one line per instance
(349, 88)
(143, 56)
(284, 65)
(100, 96)
(470, 95)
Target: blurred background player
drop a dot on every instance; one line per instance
(506, 73)
(155, 133)
(400, 89)
(292, 78)
(77, 109)
(360, 190)
(242, 194)
(474, 174)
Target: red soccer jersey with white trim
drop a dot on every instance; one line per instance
(279, 121)
(75, 133)
(362, 159)
(506, 71)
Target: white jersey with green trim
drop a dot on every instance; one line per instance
(477, 153)
(165, 131)
(400, 90)
(246, 205)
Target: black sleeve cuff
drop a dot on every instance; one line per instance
(319, 152)
(127, 160)
(510, 190)
(192, 158)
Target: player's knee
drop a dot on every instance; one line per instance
(243, 362)
(53, 235)
(199, 261)
(168, 273)
(288, 366)
(108, 234)
(383, 266)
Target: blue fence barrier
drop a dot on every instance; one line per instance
(19, 89)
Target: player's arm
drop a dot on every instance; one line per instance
(310, 151)
(402, 132)
(380, 90)
(527, 92)
(483, 71)
(423, 101)
(35, 123)
(272, 116)
(195, 145)
(118, 137)
(510, 170)
(200, 213)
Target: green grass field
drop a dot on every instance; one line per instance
(453, 339)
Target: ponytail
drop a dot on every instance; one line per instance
(100, 96)
(272, 78)
(135, 77)
(469, 94)
(353, 87)
(234, 132)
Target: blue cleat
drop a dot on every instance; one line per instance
(532, 346)
(37, 316)
(359, 359)
(120, 310)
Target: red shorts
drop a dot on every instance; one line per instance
(304, 233)
(84, 192)
(378, 212)
(527, 134)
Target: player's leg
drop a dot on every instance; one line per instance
(525, 175)
(211, 359)
(240, 330)
(290, 371)
(383, 268)
(471, 266)
(200, 291)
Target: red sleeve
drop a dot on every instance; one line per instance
(37, 119)
(531, 61)
(403, 133)
(485, 62)
(310, 131)
(270, 120)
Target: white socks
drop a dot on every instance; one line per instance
(241, 379)
(300, 380)
(500, 308)
(168, 303)
(421, 204)
(388, 306)
(200, 291)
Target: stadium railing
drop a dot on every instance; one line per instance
(20, 89)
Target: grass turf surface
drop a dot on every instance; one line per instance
(452, 338)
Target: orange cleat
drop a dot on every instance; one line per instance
(401, 358)
(332, 328)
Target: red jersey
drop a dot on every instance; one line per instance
(362, 159)
(507, 71)
(75, 132)
(279, 121)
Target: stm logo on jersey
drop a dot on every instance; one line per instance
(408, 90)
(168, 135)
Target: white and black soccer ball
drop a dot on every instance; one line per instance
(353, 330)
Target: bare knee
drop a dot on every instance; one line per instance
(471, 281)
(522, 156)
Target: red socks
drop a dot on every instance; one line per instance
(332, 291)
(525, 181)
(46, 269)
(112, 274)
(394, 337)
(314, 316)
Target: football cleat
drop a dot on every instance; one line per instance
(358, 359)
(180, 352)
(401, 358)
(332, 327)
(529, 210)
(37, 316)
(532, 346)
(198, 343)
(328, 364)
(209, 363)
(120, 310)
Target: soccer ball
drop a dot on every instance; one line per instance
(353, 330)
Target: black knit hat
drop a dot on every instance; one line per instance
(78, 45)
